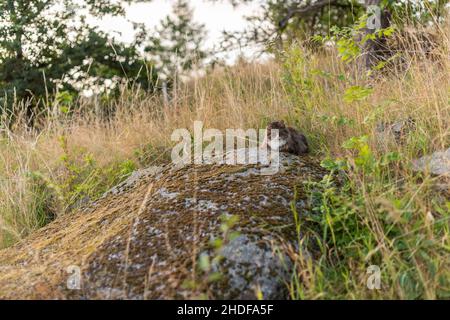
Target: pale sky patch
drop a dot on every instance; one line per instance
(216, 16)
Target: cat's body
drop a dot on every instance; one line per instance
(289, 139)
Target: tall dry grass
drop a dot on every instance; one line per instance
(139, 130)
(306, 89)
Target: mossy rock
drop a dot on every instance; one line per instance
(143, 239)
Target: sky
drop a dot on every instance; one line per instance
(216, 16)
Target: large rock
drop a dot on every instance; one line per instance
(437, 163)
(144, 238)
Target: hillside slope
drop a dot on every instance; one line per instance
(150, 237)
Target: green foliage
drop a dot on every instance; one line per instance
(307, 86)
(364, 159)
(420, 12)
(363, 221)
(291, 21)
(351, 39)
(370, 209)
(177, 44)
(208, 262)
(279, 19)
(46, 198)
(47, 45)
(340, 121)
(82, 180)
(357, 93)
(348, 49)
(97, 58)
(297, 78)
(217, 244)
(64, 100)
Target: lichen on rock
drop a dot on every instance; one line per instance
(142, 240)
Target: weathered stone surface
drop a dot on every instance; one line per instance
(251, 260)
(438, 163)
(143, 239)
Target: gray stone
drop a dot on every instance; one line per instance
(143, 239)
(437, 163)
(250, 265)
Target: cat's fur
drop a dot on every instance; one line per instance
(290, 140)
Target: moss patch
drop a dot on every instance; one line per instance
(142, 241)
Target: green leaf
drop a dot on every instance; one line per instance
(357, 93)
(214, 277)
(204, 263)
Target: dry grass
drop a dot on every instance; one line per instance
(305, 89)
(140, 128)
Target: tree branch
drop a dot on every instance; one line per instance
(299, 11)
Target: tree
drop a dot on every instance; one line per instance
(281, 20)
(96, 58)
(177, 44)
(45, 44)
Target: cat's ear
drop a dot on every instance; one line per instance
(282, 123)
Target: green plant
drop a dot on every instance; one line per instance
(82, 179)
(208, 262)
(363, 220)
